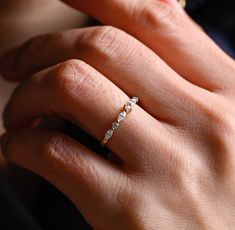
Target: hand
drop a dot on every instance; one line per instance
(176, 146)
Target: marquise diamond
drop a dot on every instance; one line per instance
(108, 134)
(121, 116)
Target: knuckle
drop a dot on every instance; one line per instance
(55, 153)
(216, 127)
(217, 115)
(103, 34)
(209, 110)
(75, 78)
(59, 155)
(221, 131)
(156, 15)
(105, 39)
(69, 77)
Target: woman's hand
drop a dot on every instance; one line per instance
(20, 20)
(176, 147)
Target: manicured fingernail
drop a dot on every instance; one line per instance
(6, 62)
(3, 142)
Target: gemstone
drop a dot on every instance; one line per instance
(108, 134)
(127, 107)
(115, 125)
(135, 99)
(121, 116)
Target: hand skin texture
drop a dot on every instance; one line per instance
(22, 19)
(176, 147)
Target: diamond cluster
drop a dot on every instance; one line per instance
(121, 116)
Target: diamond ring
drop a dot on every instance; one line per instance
(121, 116)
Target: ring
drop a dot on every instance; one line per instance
(121, 116)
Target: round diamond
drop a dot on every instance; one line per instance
(115, 125)
(135, 99)
(129, 105)
(127, 108)
(108, 134)
(121, 116)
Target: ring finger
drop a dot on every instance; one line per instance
(77, 92)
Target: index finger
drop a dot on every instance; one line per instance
(172, 35)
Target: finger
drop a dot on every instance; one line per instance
(84, 177)
(77, 92)
(119, 57)
(173, 36)
(15, 65)
(177, 4)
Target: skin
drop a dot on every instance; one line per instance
(19, 22)
(176, 148)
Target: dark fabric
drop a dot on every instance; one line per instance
(218, 13)
(194, 4)
(13, 215)
(218, 20)
(52, 210)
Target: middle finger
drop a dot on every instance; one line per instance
(120, 57)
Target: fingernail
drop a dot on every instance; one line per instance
(174, 3)
(6, 62)
(3, 142)
(178, 4)
(182, 3)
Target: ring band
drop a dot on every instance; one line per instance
(121, 116)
